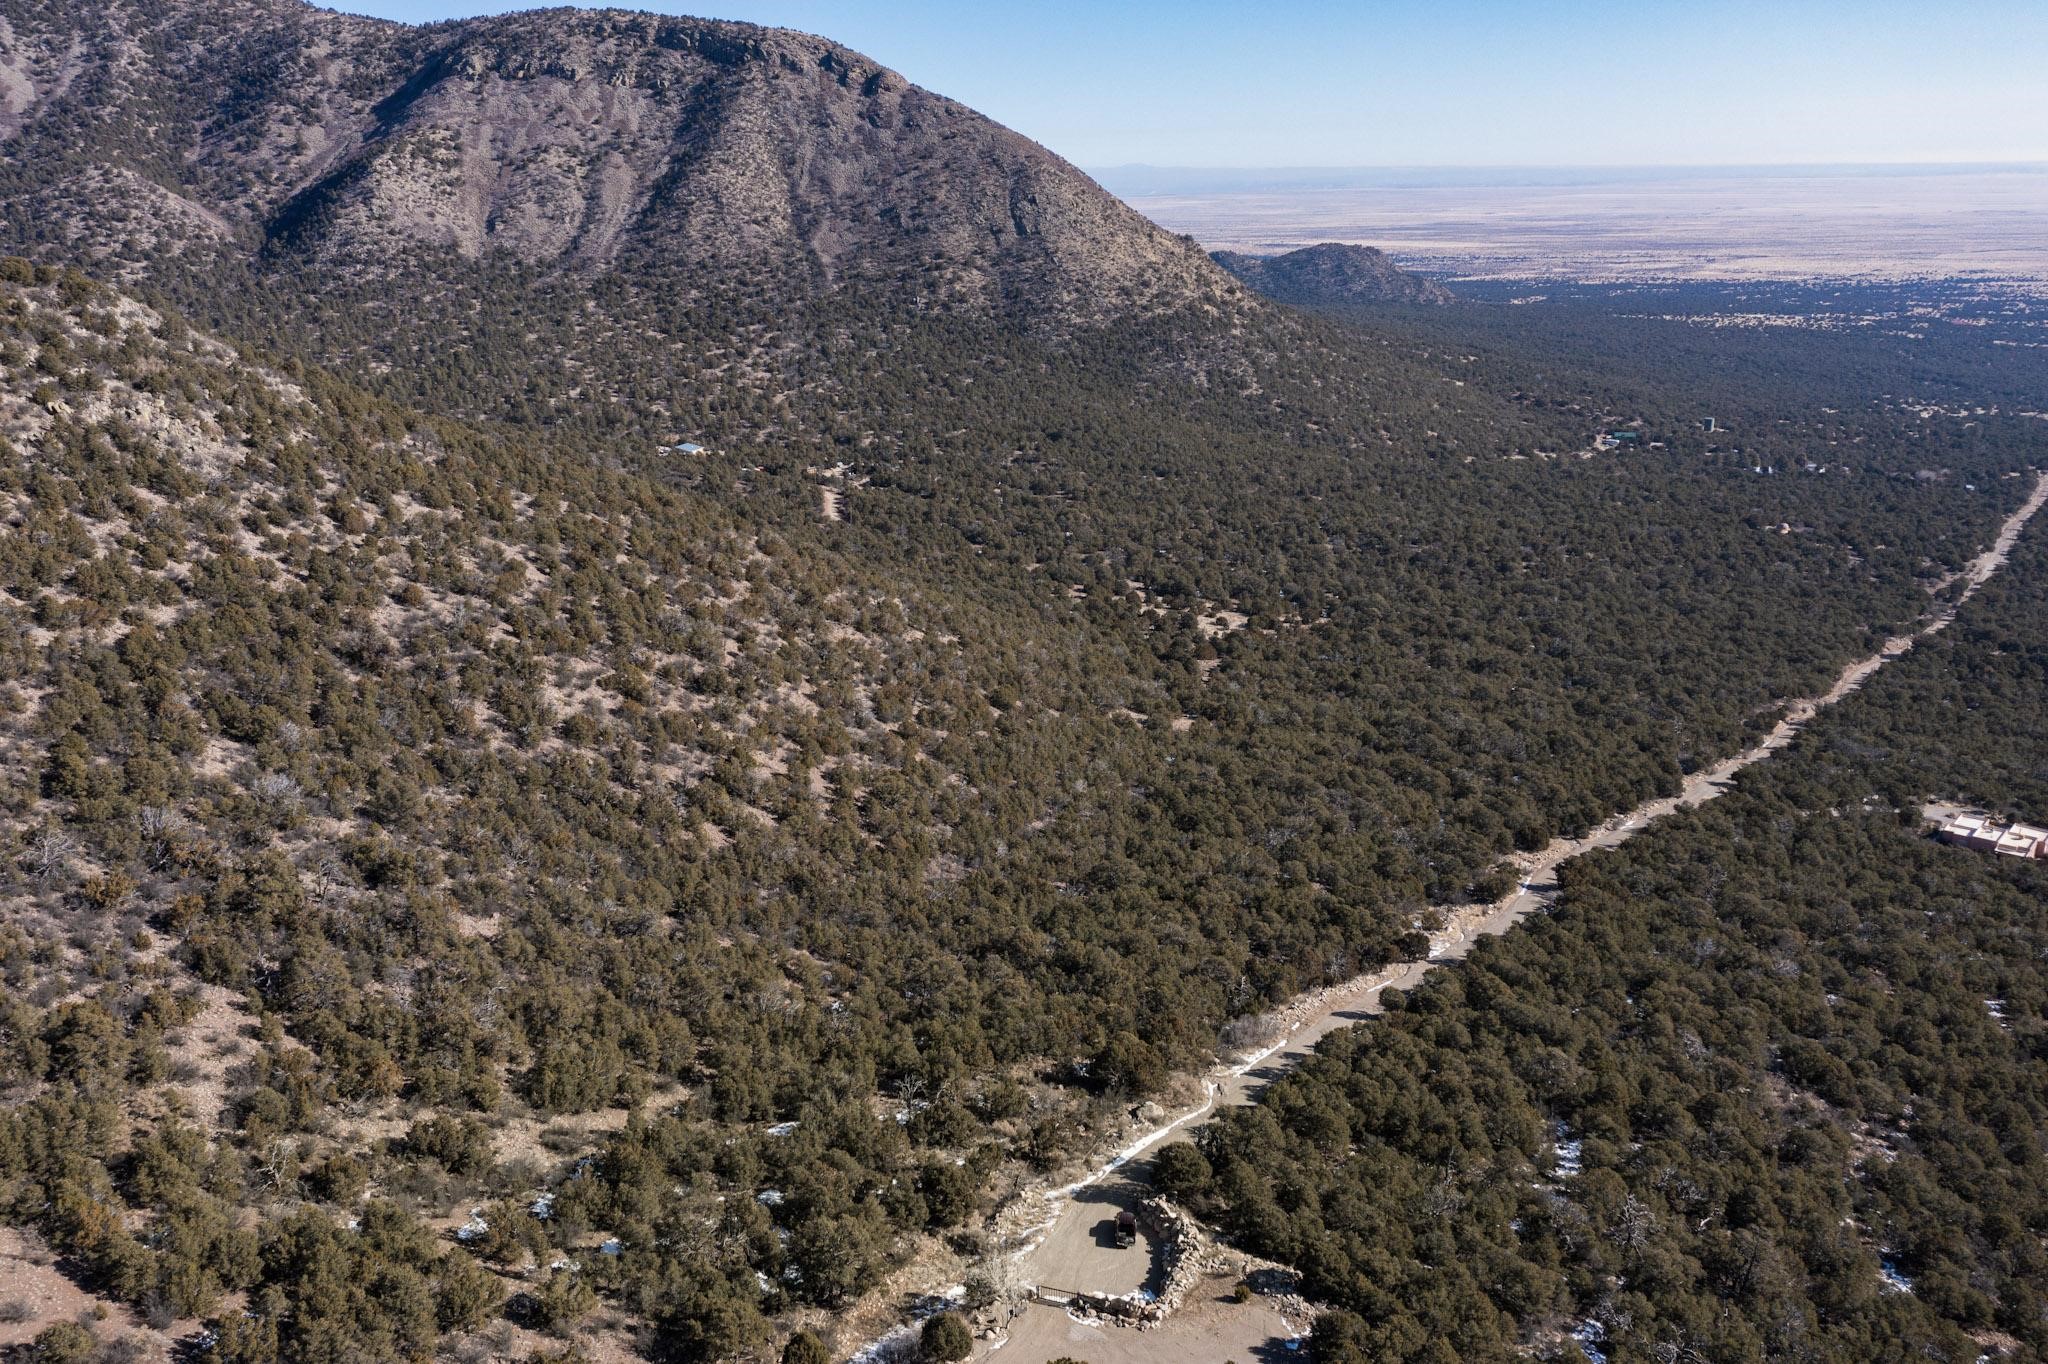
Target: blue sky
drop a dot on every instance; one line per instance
(1455, 82)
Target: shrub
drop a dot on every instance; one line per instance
(465, 1293)
(65, 1343)
(1181, 1172)
(462, 1145)
(805, 1348)
(563, 1299)
(946, 1338)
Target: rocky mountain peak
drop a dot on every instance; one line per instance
(556, 138)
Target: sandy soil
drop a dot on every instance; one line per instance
(1211, 1329)
(31, 1286)
(212, 1044)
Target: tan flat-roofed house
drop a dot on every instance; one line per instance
(2023, 840)
(1989, 835)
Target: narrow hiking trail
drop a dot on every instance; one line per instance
(1060, 1238)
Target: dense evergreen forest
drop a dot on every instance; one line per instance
(1767, 1084)
(1405, 511)
(643, 670)
(411, 810)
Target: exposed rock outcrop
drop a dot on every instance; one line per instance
(558, 139)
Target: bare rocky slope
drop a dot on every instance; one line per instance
(1331, 274)
(285, 136)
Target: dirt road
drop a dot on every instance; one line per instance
(1071, 1249)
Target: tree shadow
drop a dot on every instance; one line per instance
(1281, 1350)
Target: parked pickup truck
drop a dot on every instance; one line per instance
(1126, 1230)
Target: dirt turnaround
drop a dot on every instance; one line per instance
(1063, 1242)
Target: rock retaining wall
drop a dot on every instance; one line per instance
(1189, 1254)
(1184, 1248)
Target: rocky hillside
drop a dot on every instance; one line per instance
(270, 132)
(284, 667)
(1331, 274)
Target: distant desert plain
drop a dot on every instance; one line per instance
(1870, 223)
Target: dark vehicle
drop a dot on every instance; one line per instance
(1126, 1230)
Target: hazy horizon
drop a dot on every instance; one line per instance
(1622, 223)
(1465, 83)
(1139, 177)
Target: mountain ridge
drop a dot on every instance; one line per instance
(586, 140)
(1330, 274)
